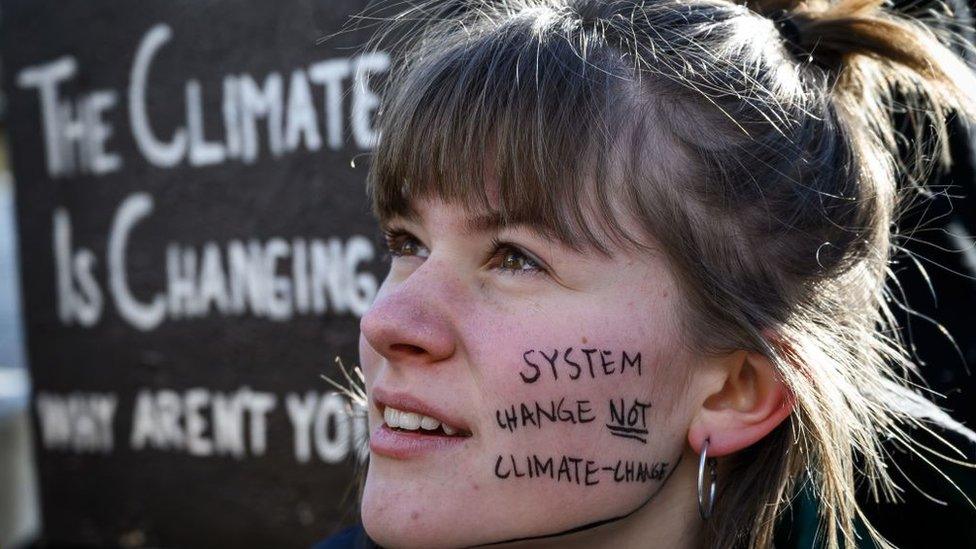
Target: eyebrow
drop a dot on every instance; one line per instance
(493, 222)
(487, 222)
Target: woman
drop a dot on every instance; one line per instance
(639, 251)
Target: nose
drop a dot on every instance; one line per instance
(410, 322)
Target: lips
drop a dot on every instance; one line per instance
(412, 427)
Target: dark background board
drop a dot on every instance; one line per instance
(128, 493)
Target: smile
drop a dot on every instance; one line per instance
(412, 428)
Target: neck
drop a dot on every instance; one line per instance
(668, 519)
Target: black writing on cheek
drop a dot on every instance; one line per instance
(499, 468)
(577, 470)
(542, 467)
(509, 420)
(607, 365)
(539, 413)
(599, 363)
(633, 362)
(629, 421)
(566, 414)
(589, 359)
(527, 416)
(572, 363)
(552, 361)
(530, 378)
(626, 471)
(568, 466)
(551, 414)
(561, 469)
(584, 412)
(591, 472)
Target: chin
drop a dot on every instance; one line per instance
(399, 514)
(403, 508)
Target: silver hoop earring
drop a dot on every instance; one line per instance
(706, 511)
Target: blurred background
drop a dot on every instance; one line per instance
(19, 510)
(186, 249)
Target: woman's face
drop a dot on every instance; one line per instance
(560, 374)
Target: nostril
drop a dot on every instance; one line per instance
(406, 348)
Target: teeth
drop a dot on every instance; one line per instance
(412, 421)
(409, 421)
(391, 416)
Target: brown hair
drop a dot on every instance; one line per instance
(754, 145)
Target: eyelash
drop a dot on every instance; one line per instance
(395, 238)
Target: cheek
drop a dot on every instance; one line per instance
(596, 392)
(574, 419)
(579, 419)
(606, 356)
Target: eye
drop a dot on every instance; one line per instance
(512, 259)
(401, 243)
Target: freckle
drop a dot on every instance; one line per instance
(475, 487)
(584, 339)
(414, 515)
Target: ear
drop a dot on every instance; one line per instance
(746, 399)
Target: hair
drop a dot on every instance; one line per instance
(753, 143)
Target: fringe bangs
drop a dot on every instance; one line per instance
(521, 105)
